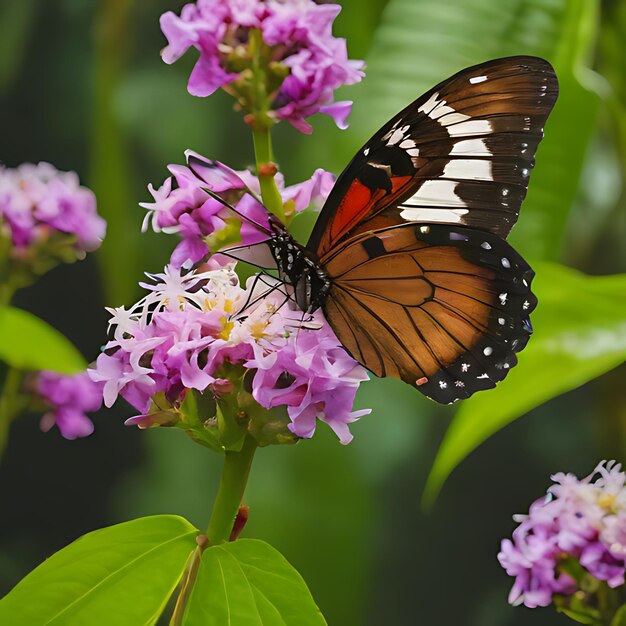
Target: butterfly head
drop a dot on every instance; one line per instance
(298, 270)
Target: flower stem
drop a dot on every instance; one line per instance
(225, 508)
(261, 125)
(8, 404)
(230, 492)
(263, 155)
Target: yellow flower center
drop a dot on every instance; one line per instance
(227, 327)
(607, 501)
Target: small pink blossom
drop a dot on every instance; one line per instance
(580, 519)
(38, 202)
(188, 326)
(182, 205)
(299, 36)
(70, 397)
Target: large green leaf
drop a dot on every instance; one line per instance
(580, 333)
(620, 617)
(249, 583)
(120, 575)
(421, 42)
(29, 343)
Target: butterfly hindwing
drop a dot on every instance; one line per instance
(443, 308)
(460, 154)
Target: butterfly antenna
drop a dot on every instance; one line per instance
(228, 205)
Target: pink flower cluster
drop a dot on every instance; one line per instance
(582, 519)
(38, 202)
(179, 335)
(299, 36)
(69, 397)
(183, 206)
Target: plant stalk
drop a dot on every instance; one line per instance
(229, 495)
(8, 404)
(261, 125)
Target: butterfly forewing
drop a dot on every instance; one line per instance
(460, 154)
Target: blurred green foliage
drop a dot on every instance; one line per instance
(83, 87)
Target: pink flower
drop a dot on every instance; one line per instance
(183, 206)
(70, 398)
(38, 202)
(299, 36)
(579, 519)
(181, 334)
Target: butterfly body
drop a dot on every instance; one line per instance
(298, 269)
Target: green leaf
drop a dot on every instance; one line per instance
(29, 343)
(619, 619)
(580, 333)
(246, 583)
(421, 42)
(120, 575)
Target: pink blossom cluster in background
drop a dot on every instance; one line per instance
(299, 36)
(69, 397)
(183, 206)
(179, 335)
(584, 519)
(38, 202)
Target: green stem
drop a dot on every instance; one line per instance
(263, 155)
(230, 492)
(225, 508)
(9, 407)
(110, 172)
(261, 125)
(189, 578)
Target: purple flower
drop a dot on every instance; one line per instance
(37, 203)
(183, 206)
(69, 398)
(579, 519)
(187, 328)
(304, 62)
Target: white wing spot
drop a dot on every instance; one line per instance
(448, 216)
(470, 127)
(501, 321)
(503, 297)
(366, 151)
(443, 384)
(435, 193)
(471, 169)
(477, 79)
(485, 245)
(395, 137)
(424, 230)
(459, 383)
(506, 263)
(473, 147)
(526, 305)
(465, 367)
(488, 351)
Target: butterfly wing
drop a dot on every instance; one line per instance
(460, 154)
(443, 308)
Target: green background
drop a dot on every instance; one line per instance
(82, 86)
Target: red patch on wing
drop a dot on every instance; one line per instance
(359, 202)
(354, 204)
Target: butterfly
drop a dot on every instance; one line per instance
(408, 258)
